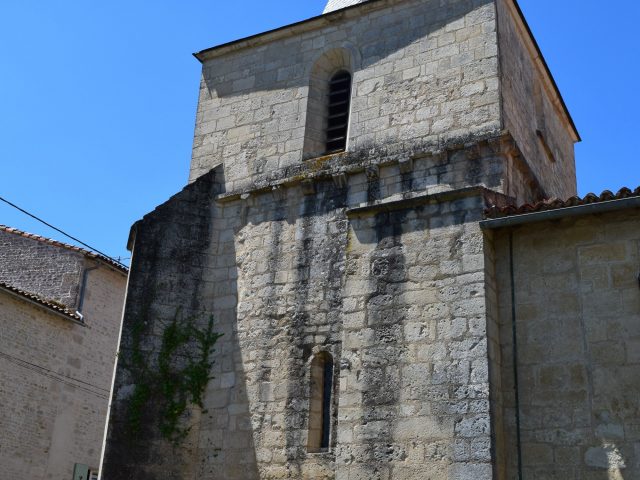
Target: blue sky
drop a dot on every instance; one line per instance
(98, 99)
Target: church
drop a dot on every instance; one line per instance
(380, 269)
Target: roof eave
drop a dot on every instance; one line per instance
(559, 213)
(284, 31)
(42, 304)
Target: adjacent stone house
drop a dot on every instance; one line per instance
(60, 315)
(354, 224)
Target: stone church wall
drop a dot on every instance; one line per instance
(530, 105)
(425, 72)
(171, 258)
(577, 314)
(388, 283)
(414, 401)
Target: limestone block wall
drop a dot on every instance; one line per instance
(424, 72)
(290, 253)
(171, 267)
(352, 263)
(55, 382)
(52, 272)
(532, 109)
(577, 322)
(414, 398)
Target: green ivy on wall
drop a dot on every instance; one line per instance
(178, 378)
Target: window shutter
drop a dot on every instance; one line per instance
(338, 111)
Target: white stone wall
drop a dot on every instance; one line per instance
(529, 105)
(414, 401)
(55, 381)
(577, 319)
(424, 72)
(396, 297)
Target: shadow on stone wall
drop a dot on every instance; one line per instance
(384, 36)
(174, 250)
(272, 272)
(413, 383)
(382, 359)
(290, 257)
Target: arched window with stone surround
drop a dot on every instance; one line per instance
(338, 105)
(329, 102)
(320, 393)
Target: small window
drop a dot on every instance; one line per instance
(338, 114)
(320, 403)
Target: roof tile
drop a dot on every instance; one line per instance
(49, 304)
(555, 203)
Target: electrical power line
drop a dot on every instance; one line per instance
(61, 231)
(56, 376)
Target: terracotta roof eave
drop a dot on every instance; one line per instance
(49, 241)
(48, 305)
(497, 217)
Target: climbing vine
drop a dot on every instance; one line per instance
(180, 376)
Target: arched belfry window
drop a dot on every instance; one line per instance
(329, 102)
(320, 393)
(339, 100)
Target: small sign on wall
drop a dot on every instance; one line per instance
(83, 472)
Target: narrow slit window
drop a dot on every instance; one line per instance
(320, 403)
(338, 111)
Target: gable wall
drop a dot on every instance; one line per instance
(48, 271)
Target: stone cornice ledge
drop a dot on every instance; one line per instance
(414, 199)
(350, 163)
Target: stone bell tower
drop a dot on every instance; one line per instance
(340, 167)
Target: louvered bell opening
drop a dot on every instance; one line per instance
(338, 124)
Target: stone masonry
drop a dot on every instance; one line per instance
(52, 272)
(374, 256)
(568, 294)
(56, 363)
(425, 76)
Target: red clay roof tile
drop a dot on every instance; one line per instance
(555, 204)
(48, 304)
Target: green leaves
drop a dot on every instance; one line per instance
(180, 379)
